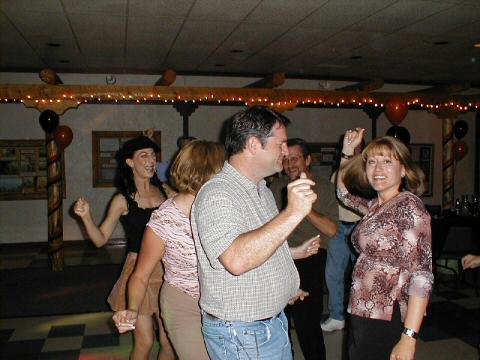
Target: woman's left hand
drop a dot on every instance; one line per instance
(308, 248)
(404, 349)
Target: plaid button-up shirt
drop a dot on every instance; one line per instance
(227, 206)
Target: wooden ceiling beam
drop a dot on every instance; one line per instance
(367, 85)
(269, 82)
(43, 95)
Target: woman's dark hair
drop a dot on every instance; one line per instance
(124, 174)
(255, 121)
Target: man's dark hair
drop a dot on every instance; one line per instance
(300, 142)
(255, 121)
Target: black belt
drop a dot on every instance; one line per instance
(348, 222)
(213, 317)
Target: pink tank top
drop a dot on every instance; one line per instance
(180, 260)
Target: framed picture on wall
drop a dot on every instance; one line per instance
(323, 158)
(422, 155)
(23, 170)
(105, 145)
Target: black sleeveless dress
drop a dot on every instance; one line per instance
(134, 223)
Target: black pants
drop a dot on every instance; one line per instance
(374, 339)
(307, 314)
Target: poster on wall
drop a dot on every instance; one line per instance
(422, 155)
(105, 145)
(323, 158)
(23, 170)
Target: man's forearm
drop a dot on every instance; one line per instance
(251, 249)
(323, 223)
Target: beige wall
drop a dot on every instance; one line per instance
(26, 221)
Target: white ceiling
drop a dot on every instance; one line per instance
(312, 38)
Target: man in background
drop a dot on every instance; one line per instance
(322, 219)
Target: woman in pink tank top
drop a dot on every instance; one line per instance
(168, 238)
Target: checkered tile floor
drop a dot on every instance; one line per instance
(450, 331)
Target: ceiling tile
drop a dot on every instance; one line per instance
(108, 7)
(34, 23)
(285, 13)
(160, 8)
(100, 35)
(343, 13)
(19, 6)
(398, 15)
(222, 10)
(456, 16)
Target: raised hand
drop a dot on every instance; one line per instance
(148, 132)
(82, 207)
(125, 320)
(301, 196)
(352, 138)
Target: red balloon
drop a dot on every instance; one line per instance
(460, 149)
(396, 109)
(63, 136)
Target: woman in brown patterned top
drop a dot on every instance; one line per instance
(393, 278)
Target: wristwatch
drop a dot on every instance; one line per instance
(345, 156)
(410, 332)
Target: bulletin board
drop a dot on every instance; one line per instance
(105, 145)
(23, 170)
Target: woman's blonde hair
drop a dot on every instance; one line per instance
(355, 176)
(196, 162)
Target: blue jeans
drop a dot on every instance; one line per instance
(238, 340)
(338, 255)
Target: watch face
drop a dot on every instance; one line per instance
(410, 332)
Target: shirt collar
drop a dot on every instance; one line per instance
(242, 179)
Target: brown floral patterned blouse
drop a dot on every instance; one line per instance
(394, 242)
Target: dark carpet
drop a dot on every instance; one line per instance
(40, 291)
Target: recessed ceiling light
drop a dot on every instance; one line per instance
(236, 51)
(53, 44)
(219, 65)
(64, 61)
(356, 57)
(440, 42)
(477, 45)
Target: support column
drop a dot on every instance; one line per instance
(373, 113)
(55, 210)
(448, 163)
(185, 109)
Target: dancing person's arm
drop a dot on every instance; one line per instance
(416, 239)
(251, 249)
(151, 253)
(405, 348)
(351, 140)
(307, 249)
(471, 261)
(327, 221)
(100, 234)
(323, 222)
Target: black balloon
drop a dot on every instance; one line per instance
(460, 129)
(48, 121)
(400, 133)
